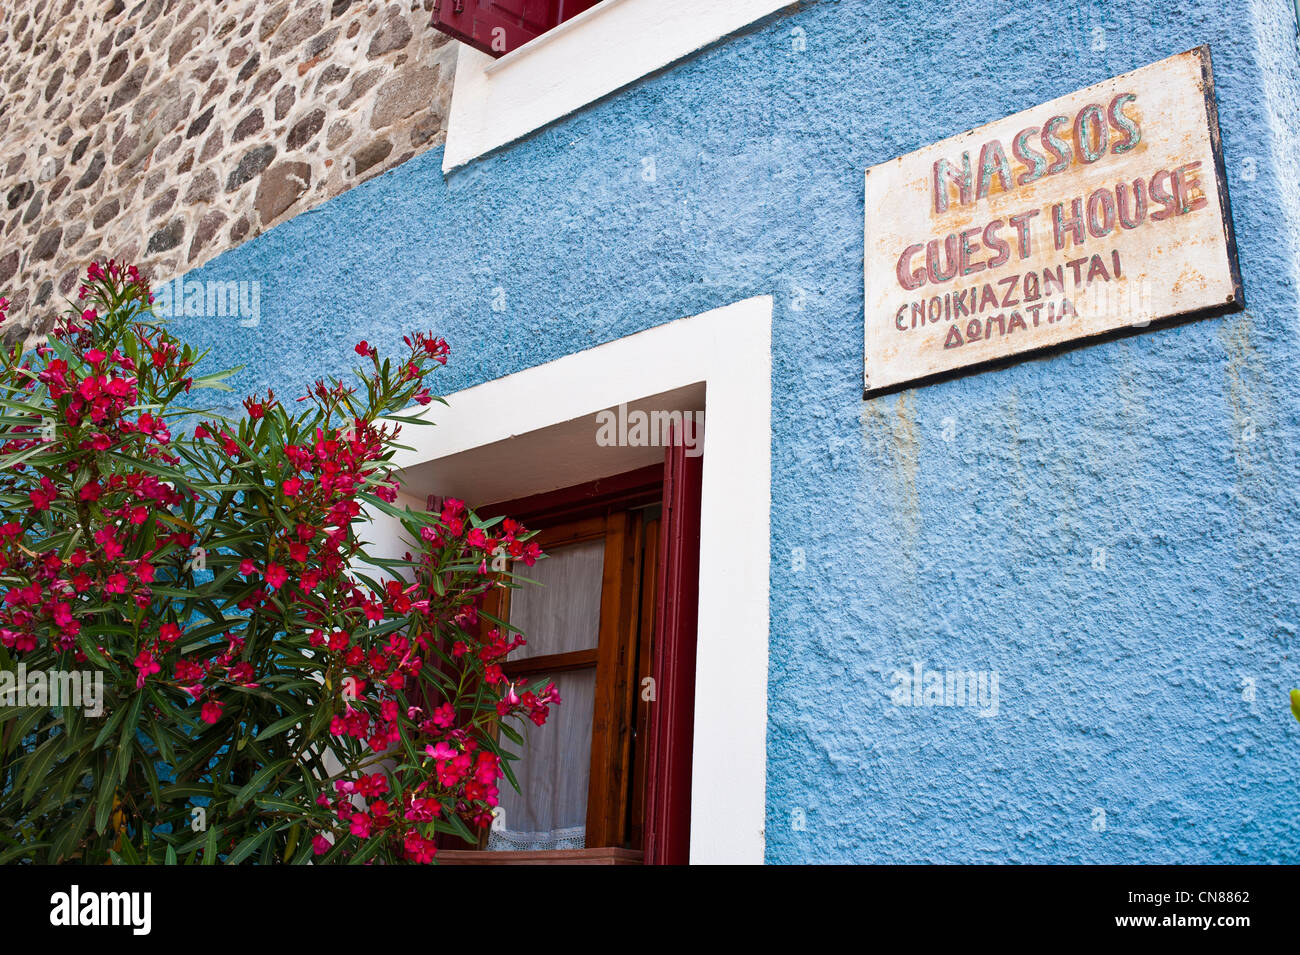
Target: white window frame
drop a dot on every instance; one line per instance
(729, 351)
(603, 49)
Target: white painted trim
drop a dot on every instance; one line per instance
(603, 49)
(568, 26)
(729, 349)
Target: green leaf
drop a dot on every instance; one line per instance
(25, 851)
(127, 742)
(129, 854)
(72, 833)
(104, 801)
(512, 734)
(248, 846)
(210, 847)
(151, 778)
(278, 805)
(260, 780)
(172, 793)
(457, 826)
(279, 726)
(110, 727)
(38, 764)
(1295, 704)
(26, 723)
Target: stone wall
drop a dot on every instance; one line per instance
(164, 132)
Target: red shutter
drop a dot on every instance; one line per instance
(498, 26)
(672, 717)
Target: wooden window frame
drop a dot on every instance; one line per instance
(728, 352)
(613, 510)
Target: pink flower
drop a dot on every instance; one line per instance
(211, 711)
(440, 751)
(320, 845)
(242, 673)
(62, 615)
(146, 666)
(42, 498)
(423, 810)
(276, 575)
(418, 848)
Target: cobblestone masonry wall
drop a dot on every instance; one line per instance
(165, 132)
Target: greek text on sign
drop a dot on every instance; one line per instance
(1101, 210)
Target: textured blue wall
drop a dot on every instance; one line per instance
(1111, 529)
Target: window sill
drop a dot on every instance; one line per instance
(497, 101)
(552, 857)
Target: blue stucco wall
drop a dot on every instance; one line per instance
(1112, 529)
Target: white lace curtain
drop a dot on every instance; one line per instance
(561, 616)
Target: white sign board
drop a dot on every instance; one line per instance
(1101, 210)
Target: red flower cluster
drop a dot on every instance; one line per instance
(200, 564)
(87, 411)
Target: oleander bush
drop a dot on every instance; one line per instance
(272, 691)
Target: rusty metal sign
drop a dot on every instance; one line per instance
(1102, 210)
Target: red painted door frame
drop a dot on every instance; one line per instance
(672, 724)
